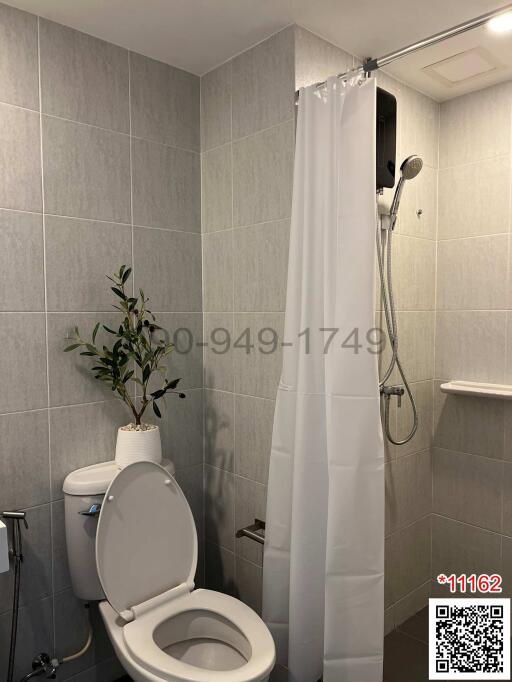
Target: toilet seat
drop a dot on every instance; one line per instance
(139, 637)
(146, 556)
(147, 528)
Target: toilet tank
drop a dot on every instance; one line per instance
(82, 489)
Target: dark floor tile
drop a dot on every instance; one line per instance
(405, 659)
(417, 626)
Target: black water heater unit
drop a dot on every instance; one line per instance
(386, 139)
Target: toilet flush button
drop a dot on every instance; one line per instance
(110, 498)
(167, 481)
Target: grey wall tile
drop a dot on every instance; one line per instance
(417, 331)
(506, 566)
(472, 273)
(422, 440)
(82, 435)
(168, 268)
(181, 429)
(71, 380)
(24, 382)
(218, 271)
(25, 474)
(21, 261)
(165, 103)
(219, 507)
(469, 424)
(250, 504)
(258, 372)
(261, 267)
(470, 345)
(316, 59)
(507, 416)
(218, 358)
(419, 126)
(254, 419)
(185, 331)
(263, 175)
(419, 215)
(35, 633)
(86, 171)
(190, 480)
(249, 578)
(216, 107)
(414, 265)
(79, 256)
(407, 560)
(217, 190)
(475, 126)
(19, 79)
(71, 632)
(37, 562)
(459, 548)
(408, 490)
(474, 198)
(411, 604)
(507, 499)
(83, 78)
(219, 429)
(60, 568)
(220, 569)
(166, 186)
(20, 159)
(263, 84)
(467, 488)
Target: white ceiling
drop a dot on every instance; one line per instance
(197, 35)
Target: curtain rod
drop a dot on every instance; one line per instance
(375, 64)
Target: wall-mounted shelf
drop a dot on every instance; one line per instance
(479, 390)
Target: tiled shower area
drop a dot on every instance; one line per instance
(109, 157)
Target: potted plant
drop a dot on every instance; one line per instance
(134, 357)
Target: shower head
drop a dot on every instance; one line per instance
(408, 170)
(411, 167)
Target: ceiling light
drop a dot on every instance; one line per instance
(501, 23)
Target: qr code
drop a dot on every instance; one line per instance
(469, 639)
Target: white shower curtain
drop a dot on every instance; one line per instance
(323, 578)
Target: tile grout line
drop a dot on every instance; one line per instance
(203, 405)
(131, 183)
(235, 571)
(434, 401)
(45, 281)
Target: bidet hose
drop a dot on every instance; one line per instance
(384, 247)
(86, 646)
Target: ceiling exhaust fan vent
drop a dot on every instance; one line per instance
(463, 67)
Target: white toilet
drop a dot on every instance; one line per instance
(146, 558)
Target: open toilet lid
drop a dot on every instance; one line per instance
(146, 542)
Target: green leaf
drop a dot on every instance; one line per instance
(172, 384)
(126, 274)
(72, 347)
(156, 410)
(158, 394)
(95, 332)
(146, 373)
(88, 354)
(110, 331)
(119, 293)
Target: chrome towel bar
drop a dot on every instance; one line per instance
(255, 531)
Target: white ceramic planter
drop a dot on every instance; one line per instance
(137, 446)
